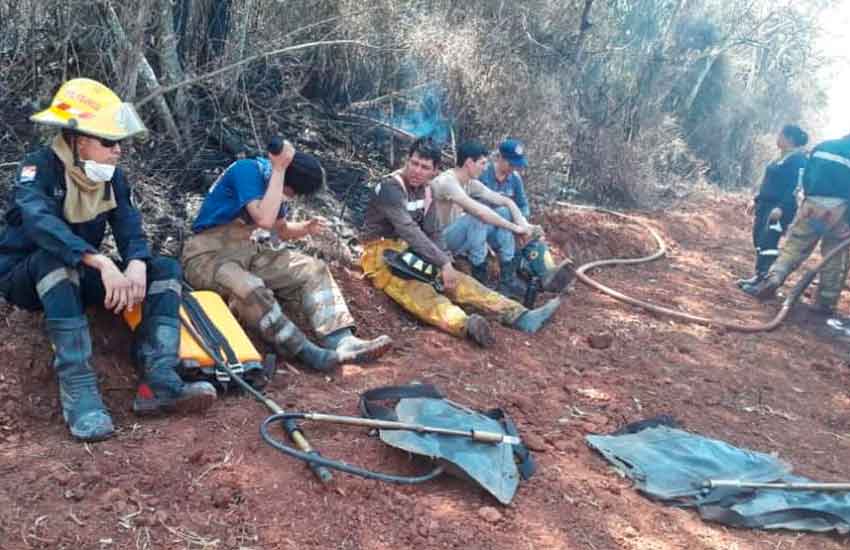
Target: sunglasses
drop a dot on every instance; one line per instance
(109, 143)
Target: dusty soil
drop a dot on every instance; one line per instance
(210, 482)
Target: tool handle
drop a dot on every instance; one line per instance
(297, 437)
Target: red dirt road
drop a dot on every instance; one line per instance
(210, 482)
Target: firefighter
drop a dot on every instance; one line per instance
(823, 216)
(394, 221)
(238, 250)
(775, 204)
(535, 260)
(64, 197)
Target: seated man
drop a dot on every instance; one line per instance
(463, 224)
(64, 197)
(394, 221)
(535, 260)
(224, 255)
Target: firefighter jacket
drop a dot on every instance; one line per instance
(35, 220)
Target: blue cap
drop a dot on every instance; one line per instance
(512, 151)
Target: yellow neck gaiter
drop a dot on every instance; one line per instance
(84, 199)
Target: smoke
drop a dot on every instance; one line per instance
(424, 116)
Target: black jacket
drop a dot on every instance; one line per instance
(35, 219)
(780, 181)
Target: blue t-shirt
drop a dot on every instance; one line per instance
(512, 187)
(242, 182)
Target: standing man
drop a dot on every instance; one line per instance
(822, 217)
(775, 204)
(394, 222)
(64, 197)
(535, 260)
(462, 221)
(225, 254)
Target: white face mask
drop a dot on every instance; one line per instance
(98, 172)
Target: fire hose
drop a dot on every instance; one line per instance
(787, 304)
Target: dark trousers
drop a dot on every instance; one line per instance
(43, 282)
(766, 234)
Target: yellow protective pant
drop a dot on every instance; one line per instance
(429, 306)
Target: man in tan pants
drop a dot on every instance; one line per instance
(238, 250)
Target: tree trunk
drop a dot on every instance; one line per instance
(709, 64)
(149, 79)
(170, 59)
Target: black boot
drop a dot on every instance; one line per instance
(765, 289)
(160, 388)
(755, 279)
(82, 407)
(559, 277)
(509, 284)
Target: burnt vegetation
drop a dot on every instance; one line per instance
(618, 102)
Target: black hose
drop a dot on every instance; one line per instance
(311, 458)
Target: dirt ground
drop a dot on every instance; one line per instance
(210, 482)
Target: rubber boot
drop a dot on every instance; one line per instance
(160, 389)
(351, 349)
(82, 407)
(509, 284)
(480, 273)
(755, 279)
(559, 277)
(764, 289)
(533, 320)
(262, 312)
(478, 330)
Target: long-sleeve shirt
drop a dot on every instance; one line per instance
(780, 180)
(396, 211)
(35, 219)
(512, 187)
(827, 173)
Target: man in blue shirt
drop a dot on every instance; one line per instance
(238, 250)
(502, 176)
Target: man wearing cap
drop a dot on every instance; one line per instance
(534, 259)
(393, 228)
(237, 250)
(64, 197)
(461, 219)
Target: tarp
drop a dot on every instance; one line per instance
(671, 465)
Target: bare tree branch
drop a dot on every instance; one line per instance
(212, 74)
